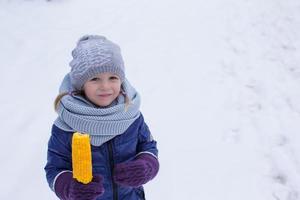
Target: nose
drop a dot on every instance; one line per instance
(104, 85)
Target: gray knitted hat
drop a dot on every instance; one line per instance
(93, 55)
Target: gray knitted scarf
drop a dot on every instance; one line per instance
(75, 113)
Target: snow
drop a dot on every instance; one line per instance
(219, 82)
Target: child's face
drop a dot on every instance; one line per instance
(103, 88)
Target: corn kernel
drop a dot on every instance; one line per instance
(81, 158)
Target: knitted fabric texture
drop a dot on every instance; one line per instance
(137, 172)
(67, 188)
(93, 55)
(76, 114)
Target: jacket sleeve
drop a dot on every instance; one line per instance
(59, 158)
(146, 143)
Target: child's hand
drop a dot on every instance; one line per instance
(137, 172)
(67, 188)
(90, 191)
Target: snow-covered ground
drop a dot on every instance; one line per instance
(220, 86)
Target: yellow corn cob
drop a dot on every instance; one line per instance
(81, 158)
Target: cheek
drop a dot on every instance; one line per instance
(87, 93)
(88, 90)
(117, 88)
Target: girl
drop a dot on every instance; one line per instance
(96, 99)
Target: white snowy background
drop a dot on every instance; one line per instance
(220, 86)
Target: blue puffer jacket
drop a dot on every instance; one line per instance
(135, 140)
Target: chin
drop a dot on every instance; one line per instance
(103, 104)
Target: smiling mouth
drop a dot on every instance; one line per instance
(104, 95)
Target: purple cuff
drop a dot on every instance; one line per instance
(62, 185)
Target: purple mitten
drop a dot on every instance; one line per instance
(67, 188)
(137, 172)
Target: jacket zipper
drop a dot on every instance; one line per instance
(111, 161)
